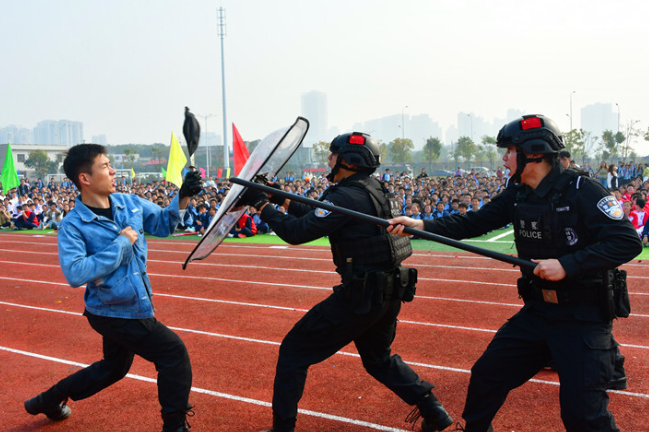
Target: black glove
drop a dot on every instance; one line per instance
(276, 199)
(192, 185)
(253, 197)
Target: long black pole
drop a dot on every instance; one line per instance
(383, 222)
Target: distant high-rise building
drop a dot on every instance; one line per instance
(597, 118)
(314, 109)
(421, 127)
(99, 139)
(58, 132)
(13, 134)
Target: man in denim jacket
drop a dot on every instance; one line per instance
(101, 244)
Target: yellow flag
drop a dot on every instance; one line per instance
(177, 162)
(132, 173)
(227, 174)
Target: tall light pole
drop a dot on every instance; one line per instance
(403, 127)
(618, 117)
(226, 153)
(573, 92)
(207, 144)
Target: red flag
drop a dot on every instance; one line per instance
(219, 173)
(241, 154)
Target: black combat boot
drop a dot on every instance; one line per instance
(435, 416)
(282, 426)
(177, 421)
(51, 403)
(458, 427)
(273, 430)
(618, 381)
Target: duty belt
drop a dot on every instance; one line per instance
(557, 296)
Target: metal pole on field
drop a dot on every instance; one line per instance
(403, 126)
(383, 222)
(226, 152)
(207, 144)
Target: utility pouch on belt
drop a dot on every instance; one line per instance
(359, 292)
(406, 279)
(615, 298)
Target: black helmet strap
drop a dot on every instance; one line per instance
(337, 166)
(521, 161)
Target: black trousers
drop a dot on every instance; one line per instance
(327, 328)
(122, 338)
(584, 357)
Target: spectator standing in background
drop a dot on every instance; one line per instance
(602, 174)
(564, 158)
(612, 178)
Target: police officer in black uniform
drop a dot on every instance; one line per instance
(363, 309)
(576, 233)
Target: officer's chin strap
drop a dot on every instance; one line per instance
(336, 167)
(521, 161)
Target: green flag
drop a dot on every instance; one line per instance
(9, 176)
(164, 173)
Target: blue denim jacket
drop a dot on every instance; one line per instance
(92, 252)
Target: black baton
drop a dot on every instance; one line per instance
(383, 222)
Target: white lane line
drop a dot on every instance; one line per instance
(424, 365)
(217, 394)
(13, 279)
(499, 236)
(419, 323)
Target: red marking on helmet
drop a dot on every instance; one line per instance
(357, 139)
(531, 123)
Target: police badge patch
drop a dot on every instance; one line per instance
(571, 237)
(611, 207)
(320, 212)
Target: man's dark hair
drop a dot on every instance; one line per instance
(79, 159)
(640, 202)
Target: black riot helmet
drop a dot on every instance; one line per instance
(356, 149)
(534, 134)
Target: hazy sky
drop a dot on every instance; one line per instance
(128, 68)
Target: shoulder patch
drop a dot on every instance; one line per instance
(320, 212)
(611, 207)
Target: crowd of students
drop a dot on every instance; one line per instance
(42, 206)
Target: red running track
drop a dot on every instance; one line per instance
(233, 309)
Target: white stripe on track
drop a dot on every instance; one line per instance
(297, 310)
(425, 365)
(499, 236)
(218, 394)
(281, 285)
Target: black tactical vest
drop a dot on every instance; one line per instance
(384, 251)
(551, 226)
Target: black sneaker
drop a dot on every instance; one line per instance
(57, 412)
